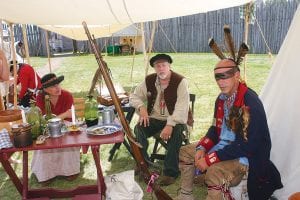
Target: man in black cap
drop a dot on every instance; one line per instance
(167, 97)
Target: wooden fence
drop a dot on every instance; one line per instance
(35, 38)
(191, 33)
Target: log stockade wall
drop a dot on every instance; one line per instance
(191, 33)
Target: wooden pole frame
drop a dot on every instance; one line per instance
(48, 50)
(246, 33)
(13, 53)
(144, 47)
(1, 34)
(154, 24)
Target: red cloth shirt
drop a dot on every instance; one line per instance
(64, 103)
(26, 77)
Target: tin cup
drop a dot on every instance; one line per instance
(108, 116)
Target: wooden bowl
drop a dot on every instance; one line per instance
(10, 115)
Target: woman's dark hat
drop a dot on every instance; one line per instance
(163, 57)
(50, 79)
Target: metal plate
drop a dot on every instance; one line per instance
(103, 129)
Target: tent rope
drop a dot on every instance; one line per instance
(133, 59)
(125, 7)
(265, 41)
(167, 38)
(112, 12)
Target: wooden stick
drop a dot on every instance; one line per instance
(48, 50)
(13, 52)
(25, 43)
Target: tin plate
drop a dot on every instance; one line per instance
(103, 129)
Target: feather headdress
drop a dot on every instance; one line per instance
(229, 43)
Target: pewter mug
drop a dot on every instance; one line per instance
(55, 125)
(108, 116)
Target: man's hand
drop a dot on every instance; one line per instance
(166, 133)
(144, 117)
(201, 164)
(199, 154)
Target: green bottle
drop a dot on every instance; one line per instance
(34, 118)
(48, 111)
(91, 111)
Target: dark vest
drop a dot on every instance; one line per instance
(170, 93)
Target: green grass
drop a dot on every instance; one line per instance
(79, 71)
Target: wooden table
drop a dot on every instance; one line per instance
(76, 139)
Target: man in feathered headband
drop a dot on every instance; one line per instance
(238, 142)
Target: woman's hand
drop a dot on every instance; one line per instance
(67, 114)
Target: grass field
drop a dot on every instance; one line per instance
(198, 68)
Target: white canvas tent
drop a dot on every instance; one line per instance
(104, 17)
(281, 98)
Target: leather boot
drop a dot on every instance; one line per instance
(187, 179)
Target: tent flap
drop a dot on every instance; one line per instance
(109, 13)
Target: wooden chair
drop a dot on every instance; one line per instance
(158, 141)
(79, 105)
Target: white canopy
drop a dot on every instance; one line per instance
(106, 16)
(281, 98)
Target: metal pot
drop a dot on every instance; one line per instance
(108, 116)
(54, 126)
(22, 135)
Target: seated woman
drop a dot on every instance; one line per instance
(47, 164)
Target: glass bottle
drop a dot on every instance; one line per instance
(48, 111)
(34, 118)
(91, 111)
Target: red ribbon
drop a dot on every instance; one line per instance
(224, 189)
(153, 177)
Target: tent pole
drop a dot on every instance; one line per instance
(105, 46)
(13, 53)
(25, 43)
(246, 33)
(1, 35)
(150, 44)
(144, 48)
(6, 83)
(48, 50)
(2, 47)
